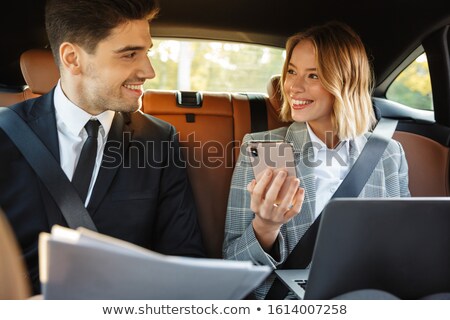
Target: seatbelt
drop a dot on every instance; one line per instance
(351, 186)
(258, 112)
(47, 169)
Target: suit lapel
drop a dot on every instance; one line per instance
(119, 137)
(297, 134)
(40, 116)
(42, 120)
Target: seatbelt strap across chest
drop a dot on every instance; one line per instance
(47, 169)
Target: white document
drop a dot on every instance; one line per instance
(83, 264)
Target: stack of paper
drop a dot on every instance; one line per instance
(82, 264)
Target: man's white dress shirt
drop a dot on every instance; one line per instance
(70, 122)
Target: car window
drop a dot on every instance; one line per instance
(201, 65)
(412, 87)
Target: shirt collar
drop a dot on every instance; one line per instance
(342, 146)
(76, 118)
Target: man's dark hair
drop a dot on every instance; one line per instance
(87, 22)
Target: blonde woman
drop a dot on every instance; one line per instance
(326, 86)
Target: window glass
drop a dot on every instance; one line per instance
(412, 87)
(213, 66)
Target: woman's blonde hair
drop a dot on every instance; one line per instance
(344, 71)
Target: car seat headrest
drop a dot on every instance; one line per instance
(39, 70)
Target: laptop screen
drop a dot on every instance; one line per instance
(397, 245)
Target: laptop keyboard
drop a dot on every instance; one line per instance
(302, 283)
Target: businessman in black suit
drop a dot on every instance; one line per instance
(138, 190)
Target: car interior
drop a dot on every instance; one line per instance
(211, 124)
(14, 285)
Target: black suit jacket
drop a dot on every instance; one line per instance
(141, 195)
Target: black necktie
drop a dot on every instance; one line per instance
(83, 173)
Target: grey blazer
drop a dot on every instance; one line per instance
(389, 179)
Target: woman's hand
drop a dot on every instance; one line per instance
(275, 199)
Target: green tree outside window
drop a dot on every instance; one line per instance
(412, 87)
(213, 66)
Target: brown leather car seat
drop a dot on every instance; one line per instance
(40, 73)
(207, 138)
(428, 161)
(13, 283)
(243, 118)
(39, 70)
(274, 92)
(210, 134)
(10, 97)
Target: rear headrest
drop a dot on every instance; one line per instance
(274, 92)
(39, 70)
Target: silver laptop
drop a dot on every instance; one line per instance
(295, 279)
(401, 246)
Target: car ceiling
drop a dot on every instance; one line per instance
(390, 29)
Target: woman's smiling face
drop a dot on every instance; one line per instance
(308, 99)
